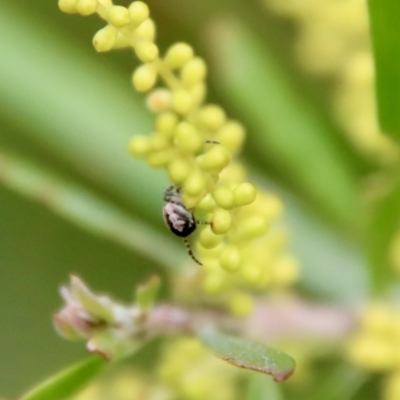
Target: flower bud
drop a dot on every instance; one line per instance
(207, 203)
(230, 258)
(231, 136)
(221, 221)
(245, 193)
(166, 123)
(215, 159)
(178, 55)
(195, 183)
(159, 100)
(251, 274)
(179, 169)
(212, 117)
(190, 201)
(118, 16)
(121, 42)
(233, 174)
(211, 265)
(146, 51)
(223, 197)
(198, 94)
(159, 143)
(67, 6)
(86, 7)
(146, 31)
(193, 72)
(187, 138)
(140, 145)
(104, 39)
(252, 227)
(160, 159)
(138, 13)
(208, 239)
(144, 78)
(98, 306)
(181, 101)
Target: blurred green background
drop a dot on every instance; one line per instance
(71, 112)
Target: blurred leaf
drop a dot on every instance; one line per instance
(262, 388)
(249, 355)
(383, 225)
(76, 108)
(88, 211)
(287, 131)
(384, 19)
(340, 383)
(68, 382)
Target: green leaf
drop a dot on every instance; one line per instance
(340, 382)
(262, 388)
(86, 209)
(250, 355)
(67, 382)
(383, 224)
(286, 130)
(384, 19)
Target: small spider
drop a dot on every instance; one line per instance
(178, 218)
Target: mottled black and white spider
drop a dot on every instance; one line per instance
(178, 218)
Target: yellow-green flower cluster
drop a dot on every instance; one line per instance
(333, 42)
(197, 145)
(375, 346)
(252, 255)
(192, 373)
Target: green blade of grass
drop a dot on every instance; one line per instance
(340, 382)
(68, 382)
(383, 224)
(384, 19)
(87, 210)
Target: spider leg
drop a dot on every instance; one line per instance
(189, 249)
(202, 222)
(212, 141)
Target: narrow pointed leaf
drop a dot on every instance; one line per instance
(383, 224)
(247, 354)
(384, 18)
(67, 382)
(340, 382)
